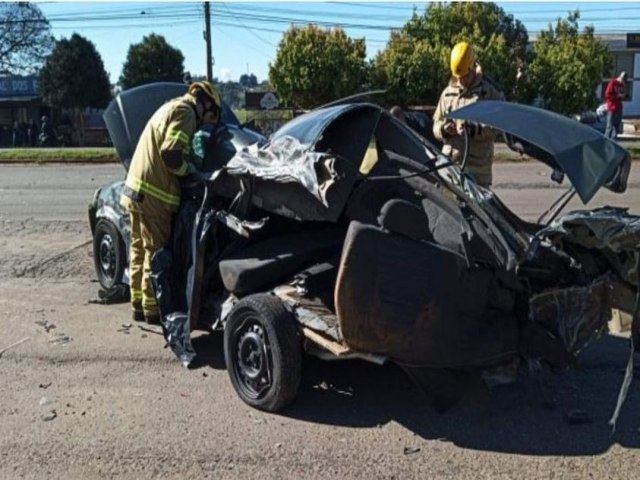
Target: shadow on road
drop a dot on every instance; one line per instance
(529, 417)
(210, 352)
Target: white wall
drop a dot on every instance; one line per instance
(632, 108)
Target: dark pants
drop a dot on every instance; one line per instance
(614, 124)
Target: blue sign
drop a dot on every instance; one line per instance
(18, 86)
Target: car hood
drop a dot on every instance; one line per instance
(128, 113)
(589, 159)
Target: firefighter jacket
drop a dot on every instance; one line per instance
(162, 155)
(481, 138)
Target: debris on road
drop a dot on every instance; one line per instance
(125, 327)
(46, 325)
(45, 385)
(60, 339)
(116, 294)
(47, 418)
(13, 345)
(150, 330)
(411, 450)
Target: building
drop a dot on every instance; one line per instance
(20, 102)
(625, 51)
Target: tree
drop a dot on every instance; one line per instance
(248, 81)
(152, 60)
(232, 93)
(314, 66)
(568, 66)
(25, 37)
(414, 67)
(73, 76)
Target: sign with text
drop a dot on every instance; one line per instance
(633, 40)
(18, 86)
(261, 100)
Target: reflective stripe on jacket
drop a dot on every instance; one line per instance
(162, 154)
(455, 96)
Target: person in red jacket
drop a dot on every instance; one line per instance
(614, 94)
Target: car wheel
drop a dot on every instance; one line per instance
(263, 352)
(108, 254)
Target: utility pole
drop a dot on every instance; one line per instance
(207, 39)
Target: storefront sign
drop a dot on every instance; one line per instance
(633, 40)
(261, 101)
(16, 86)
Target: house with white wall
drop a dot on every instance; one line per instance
(625, 51)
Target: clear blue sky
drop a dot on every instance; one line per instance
(245, 35)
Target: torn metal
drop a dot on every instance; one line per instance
(575, 314)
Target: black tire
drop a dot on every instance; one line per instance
(263, 352)
(109, 256)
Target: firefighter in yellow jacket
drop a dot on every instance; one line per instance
(152, 188)
(467, 85)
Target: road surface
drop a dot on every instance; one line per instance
(90, 395)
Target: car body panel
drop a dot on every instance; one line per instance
(589, 159)
(310, 165)
(127, 115)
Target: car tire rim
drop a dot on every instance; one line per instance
(252, 365)
(107, 255)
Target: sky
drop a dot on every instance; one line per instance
(245, 35)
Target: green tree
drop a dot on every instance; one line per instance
(568, 66)
(414, 67)
(232, 93)
(152, 60)
(73, 76)
(25, 37)
(248, 81)
(314, 66)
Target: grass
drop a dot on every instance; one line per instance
(633, 148)
(108, 155)
(55, 155)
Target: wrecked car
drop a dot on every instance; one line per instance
(126, 117)
(347, 236)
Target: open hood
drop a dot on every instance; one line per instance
(128, 113)
(589, 159)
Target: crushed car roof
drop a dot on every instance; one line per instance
(587, 157)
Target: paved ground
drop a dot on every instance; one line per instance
(87, 396)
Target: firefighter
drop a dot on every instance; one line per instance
(467, 85)
(152, 189)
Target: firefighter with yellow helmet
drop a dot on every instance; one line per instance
(467, 85)
(152, 189)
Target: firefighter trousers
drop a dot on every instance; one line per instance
(150, 231)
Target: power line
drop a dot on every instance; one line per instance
(249, 30)
(249, 20)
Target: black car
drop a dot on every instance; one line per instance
(348, 235)
(126, 117)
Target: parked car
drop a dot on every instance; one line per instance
(347, 235)
(594, 118)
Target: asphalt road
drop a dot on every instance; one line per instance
(88, 395)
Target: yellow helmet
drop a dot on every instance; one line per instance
(206, 88)
(462, 59)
